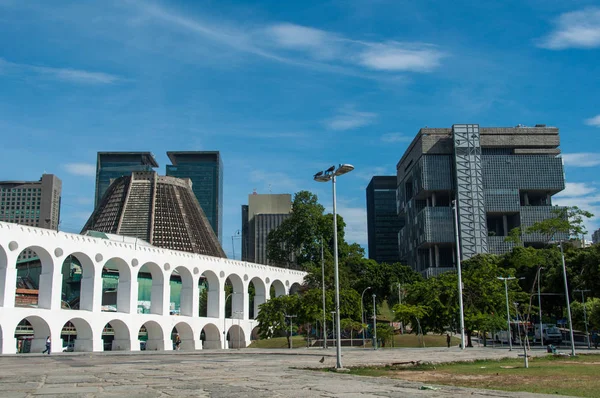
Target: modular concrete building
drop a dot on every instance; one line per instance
(501, 178)
(260, 216)
(382, 220)
(32, 203)
(160, 210)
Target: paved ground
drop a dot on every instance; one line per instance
(246, 373)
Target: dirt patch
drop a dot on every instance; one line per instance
(439, 376)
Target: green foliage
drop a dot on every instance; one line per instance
(592, 307)
(385, 333)
(514, 236)
(271, 316)
(566, 221)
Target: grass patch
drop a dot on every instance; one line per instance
(430, 340)
(279, 342)
(547, 375)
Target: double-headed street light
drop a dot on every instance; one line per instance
(362, 314)
(325, 176)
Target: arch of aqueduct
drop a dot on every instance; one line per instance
(48, 318)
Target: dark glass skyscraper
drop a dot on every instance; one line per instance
(112, 165)
(382, 220)
(205, 169)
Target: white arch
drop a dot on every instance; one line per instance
(49, 286)
(4, 276)
(126, 288)
(122, 336)
(85, 336)
(41, 331)
(88, 276)
(186, 333)
(237, 297)
(157, 296)
(187, 296)
(213, 294)
(279, 287)
(260, 294)
(295, 288)
(212, 337)
(156, 336)
(237, 337)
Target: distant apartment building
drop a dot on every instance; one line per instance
(205, 170)
(596, 237)
(112, 165)
(262, 214)
(382, 220)
(32, 203)
(502, 178)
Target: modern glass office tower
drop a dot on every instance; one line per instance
(262, 214)
(112, 165)
(382, 220)
(596, 237)
(502, 178)
(205, 169)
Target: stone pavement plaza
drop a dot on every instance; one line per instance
(244, 373)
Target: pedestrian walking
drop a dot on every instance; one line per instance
(48, 344)
(448, 339)
(595, 338)
(177, 341)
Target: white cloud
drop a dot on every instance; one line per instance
(586, 197)
(582, 159)
(576, 29)
(594, 121)
(318, 42)
(356, 224)
(348, 118)
(400, 57)
(395, 137)
(576, 189)
(367, 173)
(64, 74)
(81, 169)
(273, 182)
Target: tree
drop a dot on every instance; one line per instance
(567, 222)
(271, 317)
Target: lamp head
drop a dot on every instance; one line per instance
(343, 169)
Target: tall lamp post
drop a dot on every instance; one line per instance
(539, 275)
(587, 336)
(323, 285)
(225, 320)
(562, 256)
(291, 317)
(374, 322)
(362, 314)
(458, 267)
(524, 337)
(506, 279)
(325, 176)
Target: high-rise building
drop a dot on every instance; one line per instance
(112, 165)
(33, 203)
(162, 211)
(205, 169)
(382, 220)
(596, 237)
(502, 178)
(261, 215)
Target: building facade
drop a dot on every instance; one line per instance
(32, 203)
(262, 214)
(205, 170)
(596, 237)
(160, 210)
(382, 220)
(501, 179)
(112, 165)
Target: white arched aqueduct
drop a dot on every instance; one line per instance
(196, 332)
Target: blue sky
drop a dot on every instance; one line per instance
(286, 88)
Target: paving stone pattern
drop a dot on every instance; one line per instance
(245, 373)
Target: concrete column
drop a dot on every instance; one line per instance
(8, 344)
(437, 256)
(526, 199)
(189, 303)
(505, 225)
(164, 344)
(8, 282)
(91, 290)
(130, 344)
(258, 300)
(160, 296)
(127, 296)
(88, 345)
(215, 297)
(237, 304)
(430, 256)
(50, 288)
(433, 199)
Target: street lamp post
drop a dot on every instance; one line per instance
(325, 176)
(587, 336)
(539, 275)
(362, 314)
(374, 323)
(323, 285)
(458, 267)
(239, 315)
(506, 279)
(562, 256)
(225, 320)
(291, 317)
(333, 324)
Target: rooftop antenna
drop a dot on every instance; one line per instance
(270, 189)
